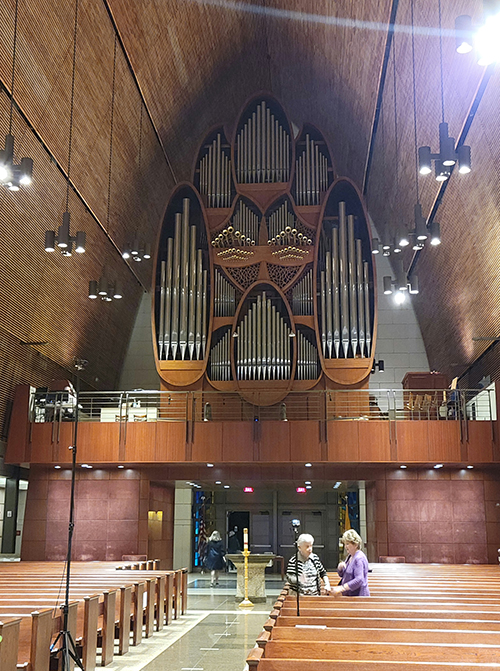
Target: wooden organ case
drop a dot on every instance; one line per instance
(264, 280)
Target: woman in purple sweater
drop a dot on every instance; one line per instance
(354, 571)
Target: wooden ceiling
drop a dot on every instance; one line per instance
(189, 64)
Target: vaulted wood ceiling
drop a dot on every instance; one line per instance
(189, 64)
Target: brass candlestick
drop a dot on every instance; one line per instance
(246, 603)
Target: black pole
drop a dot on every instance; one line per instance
(68, 648)
(296, 530)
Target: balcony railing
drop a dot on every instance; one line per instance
(362, 405)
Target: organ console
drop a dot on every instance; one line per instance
(264, 277)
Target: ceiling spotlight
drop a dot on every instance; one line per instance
(308, 465)
(439, 466)
(464, 159)
(399, 297)
(435, 234)
(420, 225)
(403, 466)
(463, 34)
(487, 40)
(138, 251)
(413, 284)
(226, 486)
(375, 246)
(387, 280)
(470, 466)
(404, 240)
(218, 482)
(210, 465)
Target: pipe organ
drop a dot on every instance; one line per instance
(215, 173)
(264, 277)
(220, 359)
(262, 148)
(263, 342)
(311, 173)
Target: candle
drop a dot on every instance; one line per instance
(245, 539)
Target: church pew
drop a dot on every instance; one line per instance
(33, 590)
(385, 623)
(9, 631)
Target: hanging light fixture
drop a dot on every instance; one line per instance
(105, 288)
(484, 38)
(63, 240)
(447, 156)
(138, 251)
(13, 175)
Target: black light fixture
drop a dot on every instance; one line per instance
(375, 246)
(380, 364)
(13, 175)
(63, 240)
(447, 156)
(485, 37)
(138, 250)
(105, 288)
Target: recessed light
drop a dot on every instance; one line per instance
(210, 465)
(308, 486)
(337, 485)
(470, 466)
(60, 467)
(218, 482)
(438, 466)
(121, 466)
(403, 466)
(226, 486)
(307, 482)
(308, 465)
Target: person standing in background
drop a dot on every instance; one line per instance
(214, 560)
(354, 571)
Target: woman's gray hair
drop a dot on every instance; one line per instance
(351, 536)
(305, 538)
(215, 536)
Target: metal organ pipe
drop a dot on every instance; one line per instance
(215, 174)
(311, 174)
(264, 349)
(344, 303)
(220, 359)
(353, 297)
(263, 147)
(361, 299)
(302, 298)
(307, 359)
(344, 291)
(183, 316)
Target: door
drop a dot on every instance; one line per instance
(311, 522)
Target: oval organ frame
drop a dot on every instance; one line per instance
(240, 255)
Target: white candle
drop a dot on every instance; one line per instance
(245, 539)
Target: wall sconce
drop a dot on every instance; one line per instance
(105, 290)
(63, 240)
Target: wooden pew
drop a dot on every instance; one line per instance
(9, 631)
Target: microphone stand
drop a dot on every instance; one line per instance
(296, 532)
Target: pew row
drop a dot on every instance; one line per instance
(119, 616)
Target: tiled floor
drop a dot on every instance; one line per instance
(214, 635)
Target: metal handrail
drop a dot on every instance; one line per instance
(323, 406)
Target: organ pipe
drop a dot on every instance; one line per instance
(220, 359)
(302, 296)
(224, 296)
(344, 302)
(182, 330)
(307, 359)
(264, 349)
(311, 174)
(215, 174)
(263, 147)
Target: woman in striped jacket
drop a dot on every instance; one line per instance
(310, 571)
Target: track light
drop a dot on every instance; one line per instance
(404, 240)
(375, 246)
(63, 240)
(399, 297)
(380, 364)
(435, 234)
(420, 225)
(446, 158)
(487, 38)
(93, 291)
(424, 160)
(401, 281)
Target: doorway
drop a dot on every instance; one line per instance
(239, 519)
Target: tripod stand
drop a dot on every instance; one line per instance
(296, 529)
(64, 640)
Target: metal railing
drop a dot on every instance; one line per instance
(363, 405)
